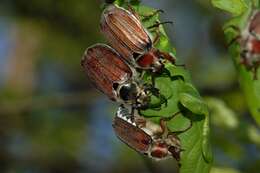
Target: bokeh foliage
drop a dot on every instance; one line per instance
(241, 10)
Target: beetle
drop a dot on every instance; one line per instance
(113, 76)
(249, 41)
(147, 137)
(125, 32)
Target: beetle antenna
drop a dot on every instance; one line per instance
(132, 113)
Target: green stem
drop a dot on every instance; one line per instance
(251, 90)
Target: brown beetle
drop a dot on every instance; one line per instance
(127, 35)
(249, 40)
(146, 137)
(113, 76)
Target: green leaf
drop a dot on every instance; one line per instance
(193, 157)
(190, 99)
(190, 89)
(206, 147)
(165, 45)
(235, 7)
(166, 110)
(164, 86)
(175, 84)
(155, 102)
(179, 123)
(195, 105)
(177, 71)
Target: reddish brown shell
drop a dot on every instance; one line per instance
(145, 136)
(124, 31)
(147, 59)
(166, 148)
(250, 43)
(255, 46)
(160, 150)
(131, 135)
(104, 66)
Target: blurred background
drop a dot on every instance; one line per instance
(52, 120)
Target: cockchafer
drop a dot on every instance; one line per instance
(125, 32)
(114, 77)
(147, 137)
(249, 40)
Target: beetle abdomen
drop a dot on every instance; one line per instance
(105, 67)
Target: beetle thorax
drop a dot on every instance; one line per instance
(150, 61)
(159, 150)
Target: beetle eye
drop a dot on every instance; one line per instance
(115, 86)
(128, 92)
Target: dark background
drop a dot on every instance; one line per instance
(52, 120)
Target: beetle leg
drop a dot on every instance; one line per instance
(255, 68)
(157, 24)
(166, 56)
(165, 129)
(164, 99)
(140, 122)
(142, 74)
(237, 38)
(181, 131)
(174, 144)
(243, 60)
(159, 95)
(156, 91)
(171, 58)
(163, 126)
(132, 113)
(157, 32)
(147, 17)
(163, 122)
(157, 37)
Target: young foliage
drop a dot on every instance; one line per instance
(235, 7)
(232, 30)
(175, 86)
